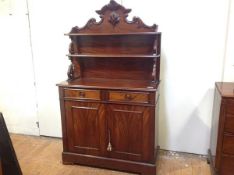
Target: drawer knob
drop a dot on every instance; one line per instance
(128, 97)
(81, 94)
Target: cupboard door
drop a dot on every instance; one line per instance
(130, 132)
(85, 124)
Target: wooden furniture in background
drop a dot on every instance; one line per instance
(221, 152)
(1, 173)
(109, 103)
(9, 162)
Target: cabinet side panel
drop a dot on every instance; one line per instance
(215, 121)
(215, 125)
(63, 119)
(156, 122)
(216, 133)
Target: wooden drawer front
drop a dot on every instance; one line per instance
(230, 107)
(227, 165)
(129, 97)
(82, 94)
(229, 124)
(228, 144)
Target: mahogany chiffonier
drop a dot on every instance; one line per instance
(109, 103)
(221, 152)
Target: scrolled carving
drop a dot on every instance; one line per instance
(112, 6)
(70, 72)
(71, 48)
(114, 18)
(74, 69)
(88, 25)
(141, 24)
(114, 14)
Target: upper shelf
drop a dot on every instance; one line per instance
(113, 55)
(112, 34)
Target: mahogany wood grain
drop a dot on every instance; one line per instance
(134, 44)
(141, 69)
(82, 94)
(227, 167)
(85, 127)
(229, 124)
(229, 107)
(129, 96)
(228, 144)
(109, 104)
(128, 127)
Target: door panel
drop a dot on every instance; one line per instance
(129, 128)
(18, 100)
(85, 127)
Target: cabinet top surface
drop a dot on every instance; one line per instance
(226, 89)
(116, 84)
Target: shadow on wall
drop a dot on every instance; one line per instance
(191, 132)
(163, 122)
(197, 128)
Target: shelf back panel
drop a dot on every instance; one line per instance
(139, 44)
(134, 68)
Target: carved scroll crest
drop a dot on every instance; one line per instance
(114, 15)
(112, 6)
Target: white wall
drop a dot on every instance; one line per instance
(193, 37)
(48, 24)
(228, 74)
(17, 90)
(193, 50)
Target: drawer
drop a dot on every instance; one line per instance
(82, 94)
(229, 123)
(228, 144)
(124, 96)
(227, 165)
